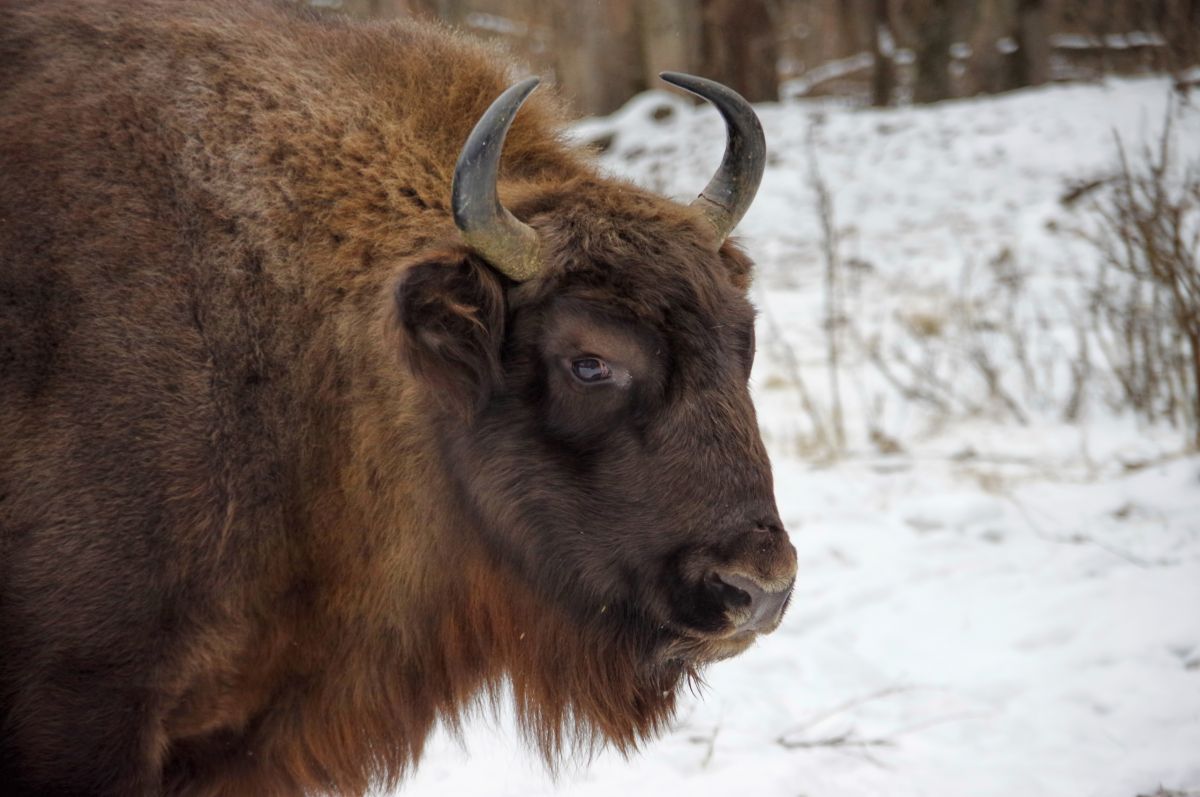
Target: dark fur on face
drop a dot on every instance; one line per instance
(626, 495)
(287, 473)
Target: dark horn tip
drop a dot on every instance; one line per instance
(702, 87)
(482, 146)
(729, 193)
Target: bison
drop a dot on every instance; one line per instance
(321, 422)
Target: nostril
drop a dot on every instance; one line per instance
(732, 595)
(766, 526)
(741, 584)
(766, 606)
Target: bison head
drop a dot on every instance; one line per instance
(590, 365)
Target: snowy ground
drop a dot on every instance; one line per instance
(987, 604)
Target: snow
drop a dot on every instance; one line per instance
(987, 606)
(494, 23)
(1112, 41)
(831, 70)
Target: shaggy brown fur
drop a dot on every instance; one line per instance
(286, 472)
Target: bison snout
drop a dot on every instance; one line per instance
(756, 580)
(759, 607)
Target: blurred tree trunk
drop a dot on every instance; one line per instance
(1031, 61)
(740, 48)
(883, 47)
(600, 54)
(452, 11)
(935, 34)
(671, 37)
(987, 67)
(849, 23)
(1178, 21)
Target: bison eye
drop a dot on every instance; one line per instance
(590, 370)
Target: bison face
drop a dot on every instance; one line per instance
(590, 356)
(598, 421)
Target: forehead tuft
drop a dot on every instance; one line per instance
(639, 253)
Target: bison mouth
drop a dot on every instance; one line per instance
(695, 650)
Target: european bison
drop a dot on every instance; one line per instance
(307, 441)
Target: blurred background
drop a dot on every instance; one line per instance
(602, 52)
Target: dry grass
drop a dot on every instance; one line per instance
(1144, 307)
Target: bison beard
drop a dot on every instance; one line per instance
(302, 452)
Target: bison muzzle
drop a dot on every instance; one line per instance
(310, 438)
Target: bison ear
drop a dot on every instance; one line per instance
(740, 266)
(450, 318)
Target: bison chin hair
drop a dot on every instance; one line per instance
(576, 687)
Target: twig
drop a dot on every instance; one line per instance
(1078, 538)
(787, 354)
(847, 739)
(833, 313)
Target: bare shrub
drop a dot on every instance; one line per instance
(825, 437)
(1125, 331)
(974, 351)
(1145, 304)
(835, 318)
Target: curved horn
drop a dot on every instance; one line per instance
(729, 193)
(509, 245)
